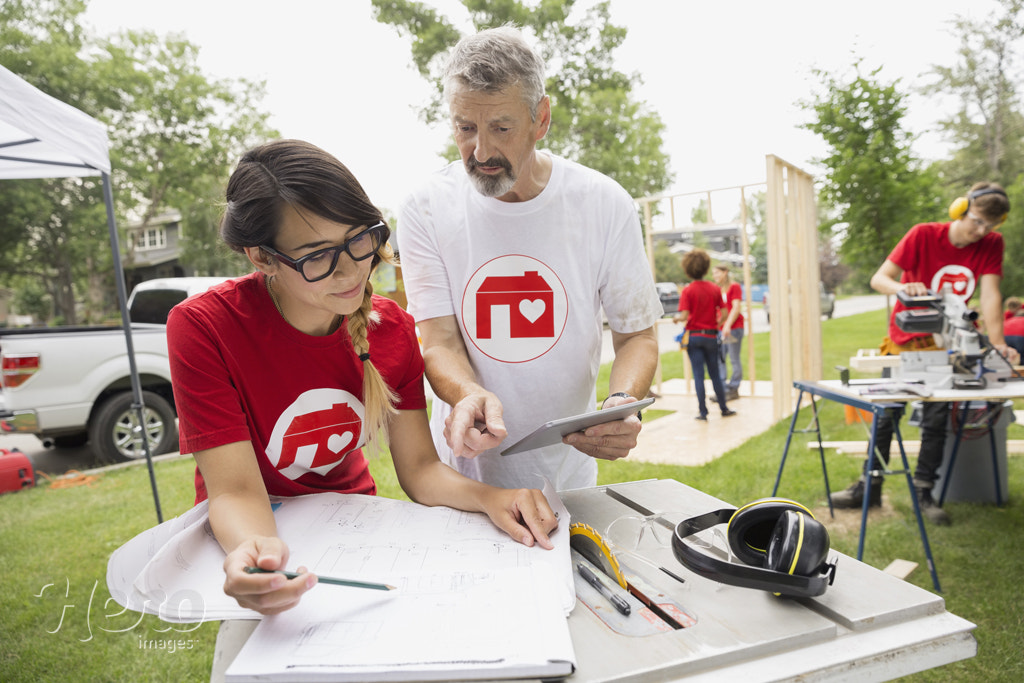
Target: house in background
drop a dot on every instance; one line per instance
(153, 249)
(723, 241)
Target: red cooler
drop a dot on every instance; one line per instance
(15, 471)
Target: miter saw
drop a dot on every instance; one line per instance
(966, 359)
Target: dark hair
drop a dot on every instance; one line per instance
(295, 173)
(994, 204)
(696, 264)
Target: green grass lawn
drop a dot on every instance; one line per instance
(56, 623)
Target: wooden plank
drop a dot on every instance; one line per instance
(901, 569)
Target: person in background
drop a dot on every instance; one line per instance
(282, 375)
(732, 330)
(508, 259)
(1011, 307)
(966, 254)
(1013, 331)
(700, 303)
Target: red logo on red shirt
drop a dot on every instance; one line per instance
(960, 280)
(316, 432)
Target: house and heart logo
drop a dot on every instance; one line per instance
(532, 310)
(316, 432)
(960, 280)
(514, 308)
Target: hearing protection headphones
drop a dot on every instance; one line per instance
(961, 205)
(780, 538)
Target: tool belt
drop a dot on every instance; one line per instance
(890, 348)
(711, 333)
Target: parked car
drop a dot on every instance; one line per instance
(668, 292)
(828, 303)
(82, 392)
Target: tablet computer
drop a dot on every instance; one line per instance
(553, 431)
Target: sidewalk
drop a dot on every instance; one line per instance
(679, 439)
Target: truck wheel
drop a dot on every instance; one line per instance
(113, 430)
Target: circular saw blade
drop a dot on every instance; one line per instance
(588, 543)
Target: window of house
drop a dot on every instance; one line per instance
(149, 238)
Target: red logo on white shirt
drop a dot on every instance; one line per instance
(514, 308)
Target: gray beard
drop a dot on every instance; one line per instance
(492, 186)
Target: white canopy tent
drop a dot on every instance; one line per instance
(42, 137)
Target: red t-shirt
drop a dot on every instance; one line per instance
(241, 373)
(733, 293)
(703, 300)
(1014, 327)
(926, 255)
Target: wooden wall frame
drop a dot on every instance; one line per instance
(793, 281)
(792, 235)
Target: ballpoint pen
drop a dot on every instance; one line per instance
(616, 600)
(324, 579)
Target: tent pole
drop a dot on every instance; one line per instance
(122, 298)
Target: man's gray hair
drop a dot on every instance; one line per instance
(491, 61)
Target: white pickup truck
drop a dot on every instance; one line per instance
(70, 385)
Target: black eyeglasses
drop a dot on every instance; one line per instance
(320, 264)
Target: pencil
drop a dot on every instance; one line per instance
(324, 579)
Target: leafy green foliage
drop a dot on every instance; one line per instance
(174, 135)
(1013, 235)
(667, 266)
(871, 178)
(986, 127)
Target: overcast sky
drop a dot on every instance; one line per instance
(725, 77)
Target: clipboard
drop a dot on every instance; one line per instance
(552, 432)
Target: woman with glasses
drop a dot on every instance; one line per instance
(281, 376)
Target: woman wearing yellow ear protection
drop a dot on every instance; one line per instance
(967, 255)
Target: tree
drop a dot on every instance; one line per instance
(668, 266)
(174, 135)
(1013, 235)
(757, 220)
(595, 120)
(699, 213)
(42, 220)
(987, 127)
(871, 178)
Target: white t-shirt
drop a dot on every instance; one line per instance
(527, 281)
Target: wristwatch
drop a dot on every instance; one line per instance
(639, 413)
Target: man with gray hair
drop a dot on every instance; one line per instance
(508, 259)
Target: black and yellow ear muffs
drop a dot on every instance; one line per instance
(961, 205)
(786, 547)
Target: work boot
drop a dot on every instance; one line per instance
(853, 497)
(930, 509)
(732, 395)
